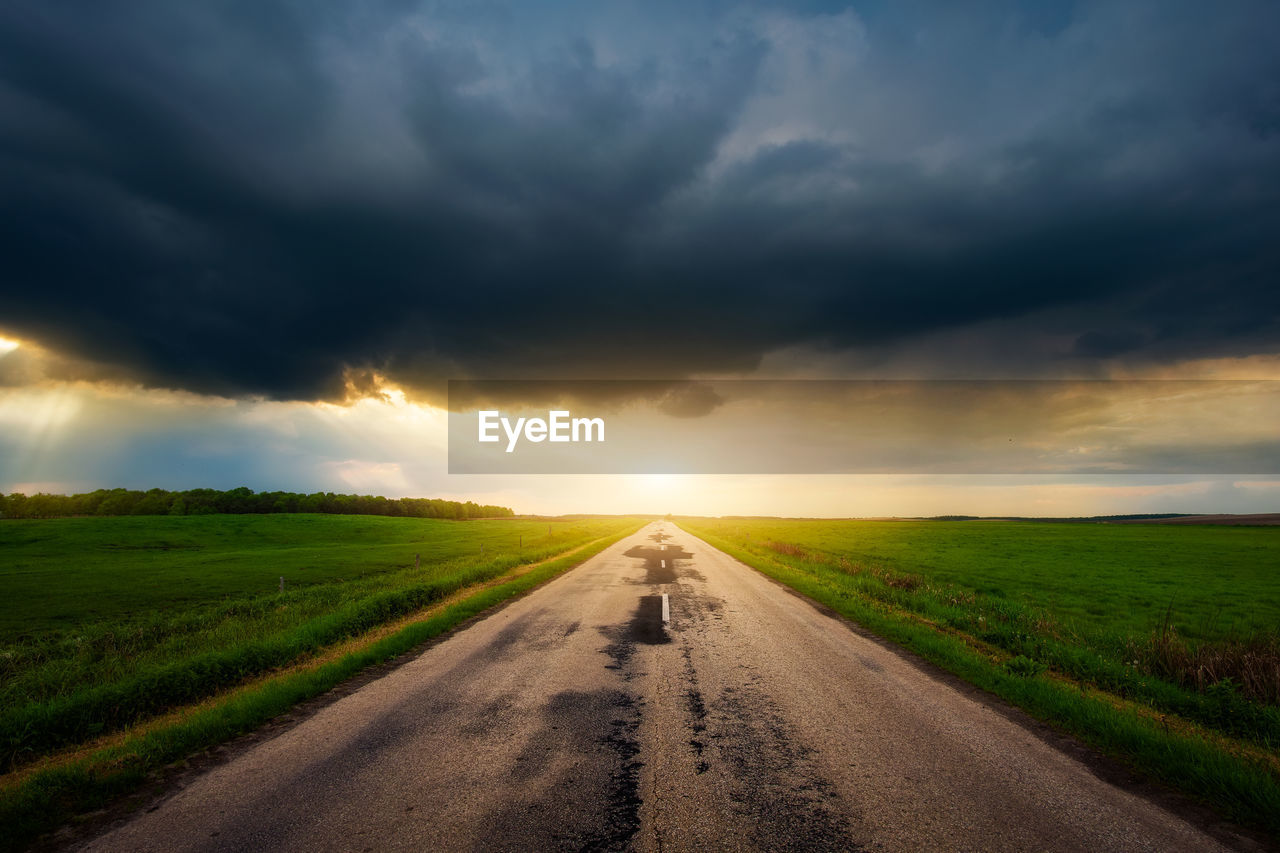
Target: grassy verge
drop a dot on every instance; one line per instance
(42, 797)
(69, 679)
(1221, 749)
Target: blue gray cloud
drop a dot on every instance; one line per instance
(270, 198)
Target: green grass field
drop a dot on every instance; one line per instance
(1159, 644)
(1218, 581)
(61, 573)
(109, 621)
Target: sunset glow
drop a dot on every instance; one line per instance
(771, 195)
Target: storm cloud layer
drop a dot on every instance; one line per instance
(285, 198)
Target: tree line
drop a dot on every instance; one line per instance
(241, 500)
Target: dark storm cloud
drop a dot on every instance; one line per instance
(262, 198)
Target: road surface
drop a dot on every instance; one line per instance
(576, 718)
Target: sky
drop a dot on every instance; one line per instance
(249, 243)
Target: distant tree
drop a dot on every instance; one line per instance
(154, 502)
(118, 502)
(238, 500)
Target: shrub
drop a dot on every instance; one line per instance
(1023, 667)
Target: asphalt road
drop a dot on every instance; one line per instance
(576, 718)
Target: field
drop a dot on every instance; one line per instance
(1157, 643)
(1213, 582)
(62, 573)
(110, 621)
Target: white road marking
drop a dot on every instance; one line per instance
(664, 564)
(666, 608)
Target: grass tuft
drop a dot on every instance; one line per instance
(1023, 666)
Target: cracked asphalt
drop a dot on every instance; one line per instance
(575, 718)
